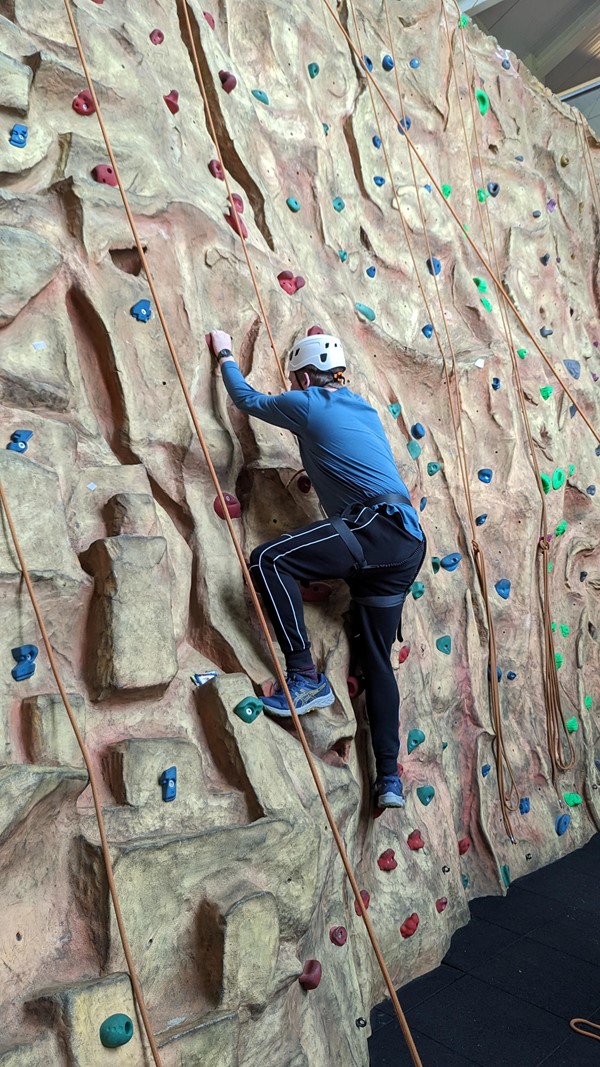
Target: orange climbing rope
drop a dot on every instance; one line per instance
(280, 675)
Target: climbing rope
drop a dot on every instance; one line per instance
(254, 596)
(589, 165)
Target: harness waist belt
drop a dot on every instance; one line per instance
(387, 498)
(350, 540)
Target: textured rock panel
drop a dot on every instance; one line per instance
(49, 736)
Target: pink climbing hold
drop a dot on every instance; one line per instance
(311, 975)
(239, 203)
(304, 483)
(289, 283)
(409, 927)
(83, 103)
(237, 224)
(315, 593)
(228, 80)
(216, 170)
(366, 899)
(209, 19)
(104, 174)
(233, 506)
(441, 904)
(157, 36)
(171, 100)
(404, 654)
(464, 845)
(338, 935)
(315, 329)
(387, 860)
(415, 841)
(355, 688)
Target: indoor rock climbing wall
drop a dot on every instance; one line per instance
(230, 889)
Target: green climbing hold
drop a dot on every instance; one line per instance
(571, 470)
(425, 794)
(481, 285)
(558, 478)
(558, 660)
(446, 190)
(414, 449)
(572, 799)
(395, 409)
(444, 644)
(505, 872)
(417, 589)
(415, 738)
(564, 629)
(483, 101)
(546, 391)
(587, 702)
(546, 483)
(260, 95)
(433, 468)
(481, 195)
(572, 725)
(293, 204)
(553, 627)
(248, 709)
(366, 311)
(313, 69)
(550, 567)
(521, 352)
(486, 303)
(463, 21)
(560, 529)
(435, 563)
(115, 1031)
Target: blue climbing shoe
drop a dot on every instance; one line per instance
(306, 694)
(388, 791)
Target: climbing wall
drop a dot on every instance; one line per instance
(230, 885)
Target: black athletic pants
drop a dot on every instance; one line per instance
(393, 560)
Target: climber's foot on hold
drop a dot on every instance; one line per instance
(388, 792)
(306, 694)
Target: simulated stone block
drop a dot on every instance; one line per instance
(239, 939)
(130, 513)
(49, 736)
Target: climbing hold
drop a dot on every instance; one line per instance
(417, 589)
(338, 203)
(414, 449)
(417, 430)
(18, 135)
(104, 174)
(404, 124)
(524, 805)
(311, 975)
(435, 563)
(451, 561)
(545, 259)
(562, 824)
(446, 190)
(232, 503)
(248, 709)
(387, 860)
(444, 644)
(415, 738)
(355, 686)
(573, 366)
(427, 330)
(415, 63)
(377, 141)
(558, 478)
(572, 799)
(260, 94)
(536, 214)
(289, 283)
(338, 935)
(371, 271)
(423, 503)
(395, 410)
(433, 468)
(415, 841)
(304, 483)
(564, 161)
(209, 18)
(483, 101)
(157, 36)
(480, 363)
(325, 128)
(366, 899)
(463, 21)
(403, 654)
(560, 529)
(115, 1031)
(587, 702)
(498, 673)
(313, 69)
(521, 352)
(485, 475)
(168, 781)
(485, 770)
(546, 332)
(546, 483)
(503, 588)
(18, 440)
(481, 519)
(427, 186)
(343, 255)
(493, 188)
(366, 311)
(409, 927)
(172, 101)
(315, 592)
(387, 63)
(486, 303)
(572, 725)
(367, 62)
(293, 204)
(379, 180)
(558, 659)
(142, 311)
(434, 266)
(505, 872)
(496, 383)
(519, 158)
(463, 846)
(441, 904)
(511, 675)
(216, 170)
(506, 64)
(25, 657)
(228, 80)
(83, 103)
(235, 221)
(591, 490)
(481, 285)
(481, 195)
(425, 794)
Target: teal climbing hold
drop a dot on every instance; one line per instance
(425, 794)
(414, 449)
(465, 880)
(115, 1031)
(338, 203)
(433, 468)
(313, 69)
(366, 311)
(417, 589)
(505, 872)
(293, 204)
(248, 709)
(415, 738)
(260, 95)
(343, 255)
(503, 588)
(395, 410)
(483, 101)
(444, 644)
(435, 564)
(325, 128)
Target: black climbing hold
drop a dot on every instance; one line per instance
(493, 188)
(582, 576)
(545, 259)
(519, 159)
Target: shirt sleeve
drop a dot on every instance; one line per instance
(287, 410)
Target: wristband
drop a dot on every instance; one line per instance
(224, 353)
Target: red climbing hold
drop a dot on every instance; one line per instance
(356, 686)
(104, 174)
(228, 80)
(409, 927)
(464, 845)
(171, 100)
(286, 281)
(387, 860)
(415, 841)
(315, 593)
(299, 282)
(338, 935)
(366, 899)
(441, 904)
(216, 170)
(304, 483)
(157, 36)
(237, 224)
(311, 975)
(233, 506)
(83, 103)
(239, 203)
(209, 19)
(404, 654)
(315, 329)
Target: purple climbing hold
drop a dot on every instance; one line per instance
(550, 206)
(573, 366)
(434, 266)
(228, 80)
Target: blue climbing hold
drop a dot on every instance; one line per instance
(142, 311)
(338, 203)
(591, 490)
(485, 475)
(562, 824)
(444, 644)
(493, 188)
(536, 214)
(519, 159)
(379, 180)
(434, 266)
(387, 63)
(18, 440)
(371, 271)
(415, 738)
(427, 330)
(418, 430)
(524, 805)
(404, 124)
(260, 95)
(423, 503)
(415, 63)
(451, 561)
(427, 186)
(572, 410)
(498, 673)
(485, 770)
(168, 781)
(377, 141)
(506, 64)
(433, 468)
(503, 588)
(495, 383)
(368, 63)
(511, 675)
(25, 657)
(573, 366)
(546, 332)
(481, 519)
(18, 135)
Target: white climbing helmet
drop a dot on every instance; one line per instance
(320, 350)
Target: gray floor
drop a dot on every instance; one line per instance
(513, 977)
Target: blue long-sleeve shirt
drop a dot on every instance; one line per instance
(343, 446)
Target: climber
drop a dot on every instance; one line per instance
(371, 538)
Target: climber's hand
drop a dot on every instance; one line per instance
(220, 340)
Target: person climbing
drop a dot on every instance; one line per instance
(371, 537)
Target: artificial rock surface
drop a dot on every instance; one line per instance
(228, 889)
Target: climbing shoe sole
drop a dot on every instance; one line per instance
(285, 713)
(390, 800)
